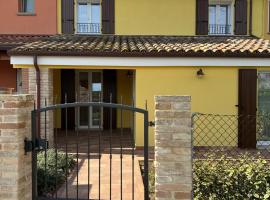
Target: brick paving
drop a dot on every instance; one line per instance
(83, 137)
(105, 179)
(93, 136)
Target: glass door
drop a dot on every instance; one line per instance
(89, 88)
(96, 96)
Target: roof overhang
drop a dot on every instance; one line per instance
(140, 61)
(145, 46)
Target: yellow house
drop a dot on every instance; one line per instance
(134, 50)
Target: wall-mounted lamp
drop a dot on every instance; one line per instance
(200, 73)
(129, 74)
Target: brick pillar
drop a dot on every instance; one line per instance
(25, 81)
(15, 167)
(46, 81)
(173, 155)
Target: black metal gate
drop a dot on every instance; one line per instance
(53, 163)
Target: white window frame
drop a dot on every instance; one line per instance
(77, 14)
(77, 85)
(230, 4)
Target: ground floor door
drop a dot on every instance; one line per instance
(89, 86)
(247, 108)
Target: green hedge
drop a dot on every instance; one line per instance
(151, 181)
(231, 180)
(50, 180)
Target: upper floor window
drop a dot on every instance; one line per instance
(220, 19)
(89, 17)
(26, 6)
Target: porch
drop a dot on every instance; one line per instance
(105, 161)
(89, 140)
(113, 144)
(94, 85)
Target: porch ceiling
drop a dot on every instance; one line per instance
(145, 46)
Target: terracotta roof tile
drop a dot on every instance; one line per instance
(8, 41)
(117, 45)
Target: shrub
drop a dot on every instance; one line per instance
(151, 181)
(48, 181)
(222, 179)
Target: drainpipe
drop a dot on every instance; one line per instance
(250, 17)
(38, 92)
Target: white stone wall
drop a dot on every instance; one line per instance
(173, 147)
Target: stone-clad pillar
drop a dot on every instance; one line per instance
(15, 166)
(46, 83)
(173, 153)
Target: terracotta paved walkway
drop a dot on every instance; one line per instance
(105, 179)
(83, 138)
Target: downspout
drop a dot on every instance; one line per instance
(38, 92)
(250, 17)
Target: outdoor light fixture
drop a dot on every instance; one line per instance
(200, 73)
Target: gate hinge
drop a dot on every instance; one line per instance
(151, 123)
(40, 144)
(28, 146)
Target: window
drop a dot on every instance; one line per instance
(219, 20)
(264, 92)
(264, 105)
(89, 17)
(26, 6)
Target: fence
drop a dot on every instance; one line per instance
(219, 29)
(231, 156)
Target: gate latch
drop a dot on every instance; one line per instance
(151, 123)
(40, 144)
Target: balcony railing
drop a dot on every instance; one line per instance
(92, 28)
(219, 29)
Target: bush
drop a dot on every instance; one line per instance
(151, 181)
(49, 181)
(222, 179)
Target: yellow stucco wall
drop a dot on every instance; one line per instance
(214, 93)
(59, 17)
(266, 34)
(124, 90)
(258, 14)
(260, 21)
(155, 17)
(142, 17)
(159, 17)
